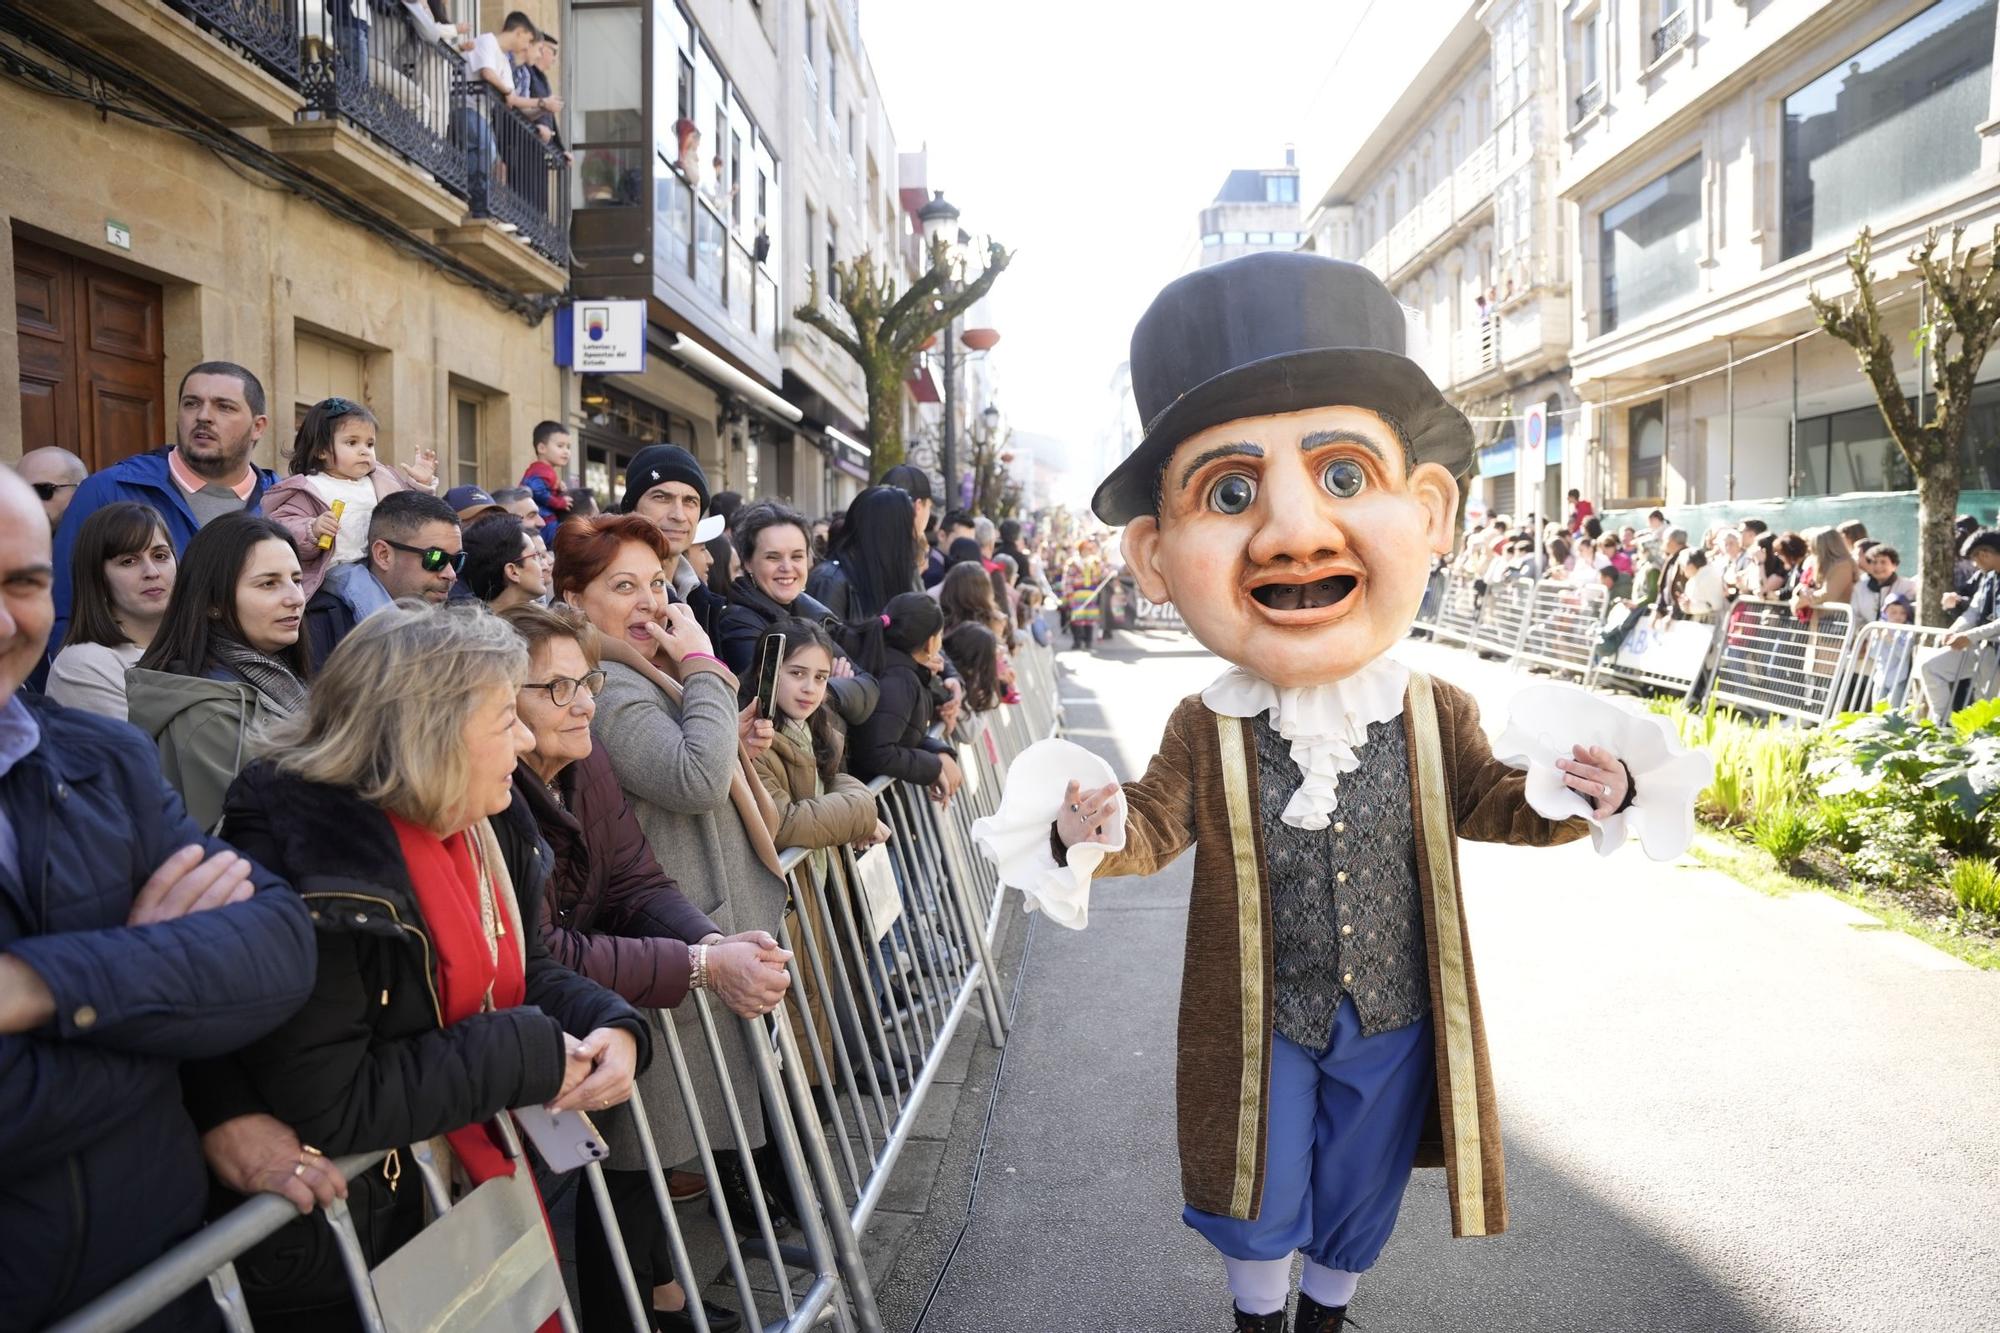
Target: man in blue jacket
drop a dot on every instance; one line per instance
(129, 943)
(206, 474)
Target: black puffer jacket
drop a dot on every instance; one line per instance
(893, 740)
(751, 614)
(366, 1063)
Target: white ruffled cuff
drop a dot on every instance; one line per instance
(1016, 837)
(1546, 720)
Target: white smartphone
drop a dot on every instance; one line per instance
(565, 1139)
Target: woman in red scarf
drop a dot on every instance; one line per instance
(434, 1009)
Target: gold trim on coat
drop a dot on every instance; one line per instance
(1250, 944)
(1453, 1009)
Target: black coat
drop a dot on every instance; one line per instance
(751, 614)
(104, 1167)
(828, 585)
(893, 740)
(367, 1063)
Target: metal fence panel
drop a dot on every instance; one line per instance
(1458, 610)
(1504, 617)
(1772, 661)
(1564, 623)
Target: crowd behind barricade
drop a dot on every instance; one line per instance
(340, 813)
(1776, 583)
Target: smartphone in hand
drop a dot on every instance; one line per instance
(565, 1139)
(770, 657)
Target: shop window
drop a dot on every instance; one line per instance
(1649, 246)
(1646, 444)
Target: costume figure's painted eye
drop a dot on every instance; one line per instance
(1233, 494)
(1343, 477)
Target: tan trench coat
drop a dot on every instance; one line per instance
(1201, 788)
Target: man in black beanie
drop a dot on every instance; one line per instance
(665, 485)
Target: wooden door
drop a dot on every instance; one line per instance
(92, 377)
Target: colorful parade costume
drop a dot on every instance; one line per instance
(1331, 1036)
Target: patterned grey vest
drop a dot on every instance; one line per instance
(1346, 914)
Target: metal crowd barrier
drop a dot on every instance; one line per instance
(887, 957)
(1565, 622)
(1770, 660)
(1900, 668)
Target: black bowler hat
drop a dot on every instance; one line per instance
(1265, 334)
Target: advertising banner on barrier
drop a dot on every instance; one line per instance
(1673, 649)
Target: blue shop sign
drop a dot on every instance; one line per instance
(1497, 459)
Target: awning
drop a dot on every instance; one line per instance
(842, 437)
(922, 387)
(715, 368)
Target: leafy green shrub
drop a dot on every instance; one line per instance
(1975, 882)
(1776, 755)
(1785, 831)
(1840, 824)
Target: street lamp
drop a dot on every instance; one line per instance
(991, 416)
(939, 220)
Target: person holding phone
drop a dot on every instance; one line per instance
(669, 723)
(776, 548)
(390, 805)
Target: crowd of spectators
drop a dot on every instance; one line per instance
(1662, 574)
(341, 815)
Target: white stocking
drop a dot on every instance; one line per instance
(1260, 1286)
(1331, 1287)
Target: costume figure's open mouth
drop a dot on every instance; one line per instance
(1324, 592)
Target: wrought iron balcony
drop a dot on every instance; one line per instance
(1589, 100)
(1673, 32)
(514, 174)
(265, 31)
(386, 77)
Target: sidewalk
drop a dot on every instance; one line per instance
(1723, 1111)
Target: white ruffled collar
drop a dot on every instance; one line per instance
(1325, 724)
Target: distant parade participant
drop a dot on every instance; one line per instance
(1298, 473)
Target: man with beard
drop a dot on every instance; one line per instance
(203, 476)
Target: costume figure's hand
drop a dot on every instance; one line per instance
(1083, 813)
(1596, 774)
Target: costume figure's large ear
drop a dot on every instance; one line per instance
(1141, 545)
(1437, 491)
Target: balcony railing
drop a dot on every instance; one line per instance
(1449, 202)
(514, 175)
(1472, 182)
(379, 73)
(266, 31)
(1589, 100)
(1673, 32)
(368, 63)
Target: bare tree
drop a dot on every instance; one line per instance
(889, 327)
(1964, 307)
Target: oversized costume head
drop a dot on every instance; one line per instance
(1298, 469)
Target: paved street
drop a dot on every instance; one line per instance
(1723, 1111)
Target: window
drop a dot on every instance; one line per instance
(812, 39)
(685, 97)
(1211, 238)
(735, 177)
(326, 369)
(1889, 126)
(1647, 246)
(1232, 238)
(832, 88)
(832, 258)
(1587, 52)
(812, 237)
(1260, 238)
(1646, 449)
(1281, 189)
(466, 411)
(607, 108)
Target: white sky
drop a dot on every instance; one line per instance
(1086, 135)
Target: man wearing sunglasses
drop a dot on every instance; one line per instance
(414, 551)
(54, 474)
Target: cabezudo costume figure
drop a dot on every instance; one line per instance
(1298, 472)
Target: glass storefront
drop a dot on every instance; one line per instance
(1852, 451)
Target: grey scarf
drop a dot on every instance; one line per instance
(267, 675)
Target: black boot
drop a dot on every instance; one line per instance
(734, 1185)
(1259, 1323)
(1316, 1318)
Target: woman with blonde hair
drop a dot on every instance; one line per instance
(436, 1004)
(1827, 578)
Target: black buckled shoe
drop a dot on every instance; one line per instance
(1316, 1318)
(1259, 1323)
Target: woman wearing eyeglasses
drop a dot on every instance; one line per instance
(615, 916)
(226, 661)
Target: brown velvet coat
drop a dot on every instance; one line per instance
(1201, 789)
